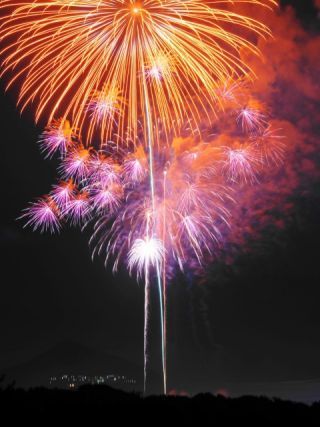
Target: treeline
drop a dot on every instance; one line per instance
(90, 403)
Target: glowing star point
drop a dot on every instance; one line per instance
(136, 9)
(145, 253)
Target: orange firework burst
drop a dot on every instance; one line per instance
(108, 65)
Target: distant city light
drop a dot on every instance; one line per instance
(71, 381)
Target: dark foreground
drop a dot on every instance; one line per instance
(89, 403)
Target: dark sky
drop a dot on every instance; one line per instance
(254, 320)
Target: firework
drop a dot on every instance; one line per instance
(100, 62)
(43, 215)
(241, 163)
(106, 197)
(63, 193)
(136, 166)
(76, 164)
(251, 120)
(143, 78)
(57, 137)
(178, 221)
(145, 253)
(78, 209)
(270, 143)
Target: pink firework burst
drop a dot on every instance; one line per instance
(63, 193)
(76, 164)
(241, 164)
(57, 137)
(270, 144)
(104, 170)
(43, 215)
(251, 120)
(134, 170)
(78, 210)
(106, 197)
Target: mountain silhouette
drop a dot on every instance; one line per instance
(70, 357)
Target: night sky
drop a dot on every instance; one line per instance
(252, 317)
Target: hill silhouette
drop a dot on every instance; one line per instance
(69, 357)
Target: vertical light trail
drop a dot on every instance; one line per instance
(146, 322)
(164, 284)
(146, 313)
(152, 189)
